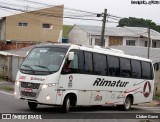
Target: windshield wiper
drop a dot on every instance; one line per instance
(43, 67)
(29, 67)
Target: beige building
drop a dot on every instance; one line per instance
(38, 26)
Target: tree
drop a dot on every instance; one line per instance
(138, 22)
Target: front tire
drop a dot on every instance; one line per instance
(32, 105)
(66, 105)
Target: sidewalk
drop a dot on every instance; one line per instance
(8, 86)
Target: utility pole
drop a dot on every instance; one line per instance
(148, 43)
(103, 28)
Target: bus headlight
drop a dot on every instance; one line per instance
(17, 83)
(48, 97)
(44, 86)
(48, 85)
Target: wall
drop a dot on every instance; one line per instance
(14, 45)
(78, 36)
(15, 63)
(142, 41)
(158, 44)
(9, 66)
(98, 37)
(3, 65)
(34, 31)
(131, 38)
(2, 30)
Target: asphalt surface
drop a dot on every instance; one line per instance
(8, 104)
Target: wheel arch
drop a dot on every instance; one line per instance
(131, 96)
(73, 97)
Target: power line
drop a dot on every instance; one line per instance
(57, 6)
(71, 14)
(28, 17)
(114, 16)
(47, 14)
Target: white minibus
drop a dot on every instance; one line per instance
(70, 75)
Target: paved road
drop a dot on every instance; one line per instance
(8, 104)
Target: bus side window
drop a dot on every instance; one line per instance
(146, 70)
(113, 66)
(74, 63)
(136, 69)
(88, 63)
(100, 64)
(71, 66)
(125, 67)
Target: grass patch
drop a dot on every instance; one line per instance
(66, 29)
(1, 77)
(157, 97)
(7, 88)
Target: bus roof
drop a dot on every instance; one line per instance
(97, 49)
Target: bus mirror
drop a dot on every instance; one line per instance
(71, 56)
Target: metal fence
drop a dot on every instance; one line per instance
(16, 63)
(9, 66)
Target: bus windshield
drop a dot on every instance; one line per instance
(43, 61)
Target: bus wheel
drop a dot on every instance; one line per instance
(66, 104)
(32, 105)
(127, 104)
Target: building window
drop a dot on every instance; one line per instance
(130, 42)
(145, 43)
(22, 24)
(97, 42)
(90, 41)
(154, 44)
(46, 25)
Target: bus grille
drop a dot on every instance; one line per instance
(28, 94)
(34, 89)
(30, 85)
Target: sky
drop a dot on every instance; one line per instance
(120, 8)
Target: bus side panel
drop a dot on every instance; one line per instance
(101, 90)
(145, 93)
(98, 97)
(84, 97)
(70, 82)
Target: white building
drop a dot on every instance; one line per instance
(133, 36)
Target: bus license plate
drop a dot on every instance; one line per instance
(28, 90)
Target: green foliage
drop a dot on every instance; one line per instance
(1, 77)
(66, 29)
(7, 88)
(157, 97)
(138, 22)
